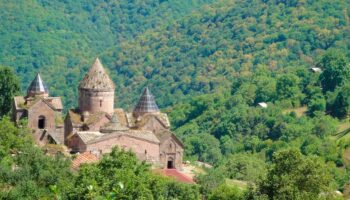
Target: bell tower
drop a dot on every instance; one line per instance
(96, 90)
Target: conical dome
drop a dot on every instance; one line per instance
(97, 79)
(37, 87)
(146, 103)
(113, 125)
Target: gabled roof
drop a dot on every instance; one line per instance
(85, 157)
(37, 87)
(57, 136)
(166, 134)
(146, 104)
(137, 134)
(88, 136)
(54, 102)
(97, 78)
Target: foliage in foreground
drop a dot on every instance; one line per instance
(27, 173)
(293, 176)
(120, 175)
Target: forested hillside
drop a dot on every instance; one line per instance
(177, 47)
(209, 65)
(60, 39)
(208, 49)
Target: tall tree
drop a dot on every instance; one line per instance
(9, 86)
(340, 107)
(287, 87)
(336, 70)
(293, 176)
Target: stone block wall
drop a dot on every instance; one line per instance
(96, 101)
(171, 150)
(41, 109)
(143, 149)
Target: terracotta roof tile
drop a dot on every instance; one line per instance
(82, 158)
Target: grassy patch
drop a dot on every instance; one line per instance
(240, 184)
(301, 111)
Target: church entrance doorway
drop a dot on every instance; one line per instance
(170, 163)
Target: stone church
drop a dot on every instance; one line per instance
(96, 126)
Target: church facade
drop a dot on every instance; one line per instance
(44, 113)
(96, 126)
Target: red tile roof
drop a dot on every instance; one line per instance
(177, 175)
(85, 157)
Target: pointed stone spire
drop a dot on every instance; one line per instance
(97, 79)
(113, 126)
(37, 87)
(146, 104)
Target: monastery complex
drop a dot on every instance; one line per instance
(96, 126)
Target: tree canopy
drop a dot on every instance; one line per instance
(9, 87)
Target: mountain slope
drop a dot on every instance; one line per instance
(60, 39)
(205, 51)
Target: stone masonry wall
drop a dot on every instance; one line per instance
(41, 109)
(93, 101)
(170, 149)
(144, 150)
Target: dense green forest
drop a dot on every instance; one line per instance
(60, 39)
(179, 48)
(207, 50)
(209, 64)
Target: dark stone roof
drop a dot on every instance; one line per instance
(146, 103)
(37, 87)
(97, 79)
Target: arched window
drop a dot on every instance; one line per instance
(101, 102)
(41, 122)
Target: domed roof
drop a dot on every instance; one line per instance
(146, 104)
(37, 87)
(97, 78)
(113, 125)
